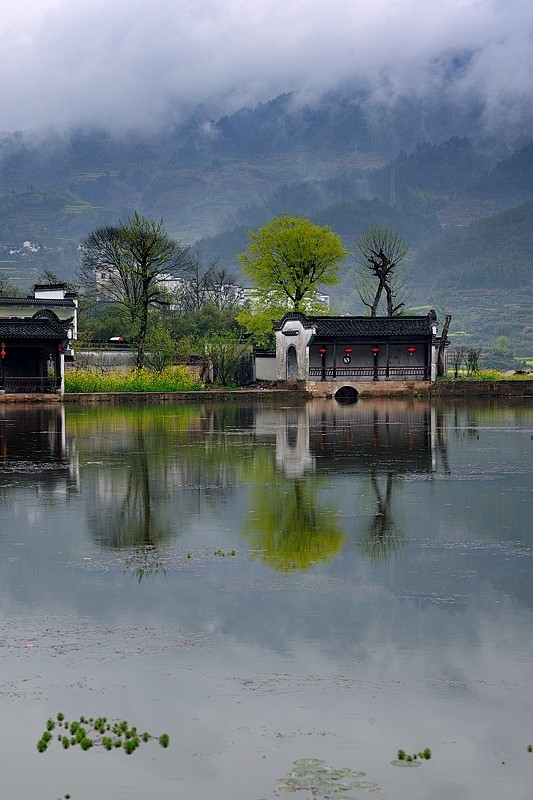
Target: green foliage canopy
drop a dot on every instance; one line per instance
(290, 256)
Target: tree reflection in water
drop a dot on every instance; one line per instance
(130, 518)
(381, 540)
(290, 529)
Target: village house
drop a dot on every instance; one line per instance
(36, 335)
(329, 354)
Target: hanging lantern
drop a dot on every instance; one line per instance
(411, 350)
(2, 350)
(348, 351)
(59, 347)
(374, 350)
(322, 350)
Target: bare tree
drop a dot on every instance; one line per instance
(200, 284)
(472, 361)
(380, 269)
(131, 264)
(457, 356)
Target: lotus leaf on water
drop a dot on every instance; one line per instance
(309, 762)
(324, 781)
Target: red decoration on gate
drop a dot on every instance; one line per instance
(2, 350)
(374, 350)
(348, 350)
(322, 351)
(411, 350)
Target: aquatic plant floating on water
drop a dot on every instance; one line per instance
(404, 759)
(322, 781)
(96, 732)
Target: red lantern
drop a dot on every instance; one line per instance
(59, 347)
(374, 350)
(411, 350)
(2, 350)
(322, 351)
(348, 350)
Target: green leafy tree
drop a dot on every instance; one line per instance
(290, 257)
(261, 311)
(132, 264)
(162, 349)
(8, 289)
(380, 269)
(224, 352)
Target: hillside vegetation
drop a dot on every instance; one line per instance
(465, 203)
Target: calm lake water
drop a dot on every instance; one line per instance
(268, 585)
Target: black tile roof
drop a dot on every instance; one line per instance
(31, 329)
(349, 327)
(36, 302)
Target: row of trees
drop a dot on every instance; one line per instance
(139, 267)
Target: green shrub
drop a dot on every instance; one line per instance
(170, 379)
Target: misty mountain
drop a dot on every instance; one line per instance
(346, 161)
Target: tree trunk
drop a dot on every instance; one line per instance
(143, 329)
(442, 346)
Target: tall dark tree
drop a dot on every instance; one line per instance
(380, 268)
(132, 264)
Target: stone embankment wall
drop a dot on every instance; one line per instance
(466, 389)
(295, 393)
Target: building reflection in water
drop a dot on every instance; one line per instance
(379, 440)
(36, 451)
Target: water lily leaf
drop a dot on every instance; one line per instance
(350, 773)
(309, 762)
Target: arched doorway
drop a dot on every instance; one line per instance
(292, 364)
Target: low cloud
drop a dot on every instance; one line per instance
(134, 64)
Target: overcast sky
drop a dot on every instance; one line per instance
(124, 63)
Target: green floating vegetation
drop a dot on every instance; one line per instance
(322, 781)
(530, 748)
(404, 759)
(222, 554)
(96, 732)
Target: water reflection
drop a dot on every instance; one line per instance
(246, 669)
(44, 457)
(381, 538)
(150, 474)
(380, 440)
(288, 525)
(124, 512)
(326, 436)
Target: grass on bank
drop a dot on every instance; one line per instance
(488, 375)
(170, 379)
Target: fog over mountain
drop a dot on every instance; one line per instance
(123, 65)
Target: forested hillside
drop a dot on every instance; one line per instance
(462, 200)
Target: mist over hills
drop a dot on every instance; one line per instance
(461, 197)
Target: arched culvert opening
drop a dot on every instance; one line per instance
(347, 395)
